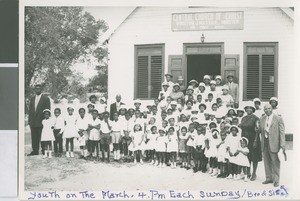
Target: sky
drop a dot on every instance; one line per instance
(113, 17)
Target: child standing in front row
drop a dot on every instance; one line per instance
(241, 158)
(182, 146)
(70, 132)
(161, 148)
(58, 130)
(172, 146)
(137, 144)
(82, 126)
(151, 144)
(47, 136)
(190, 145)
(211, 152)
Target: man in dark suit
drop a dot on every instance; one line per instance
(114, 107)
(271, 128)
(38, 103)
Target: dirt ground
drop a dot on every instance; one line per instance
(74, 174)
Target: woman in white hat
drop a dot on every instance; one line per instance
(218, 80)
(227, 99)
(165, 92)
(206, 80)
(274, 103)
(203, 90)
(176, 93)
(194, 84)
(247, 125)
(169, 78)
(258, 110)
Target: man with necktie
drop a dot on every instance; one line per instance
(38, 103)
(271, 128)
(233, 90)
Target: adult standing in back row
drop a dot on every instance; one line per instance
(233, 90)
(38, 103)
(115, 107)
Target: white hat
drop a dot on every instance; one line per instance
(103, 98)
(234, 126)
(218, 77)
(173, 103)
(176, 84)
(137, 101)
(256, 100)
(169, 74)
(243, 138)
(213, 82)
(206, 77)
(180, 77)
(274, 99)
(201, 84)
(165, 84)
(225, 87)
(193, 81)
(190, 87)
(46, 110)
(122, 107)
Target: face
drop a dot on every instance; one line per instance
(81, 113)
(70, 111)
(91, 108)
(105, 116)
(152, 120)
(219, 120)
(191, 127)
(273, 103)
(93, 100)
(235, 122)
(225, 91)
(240, 113)
(171, 122)
(199, 98)
(154, 110)
(165, 87)
(164, 115)
(127, 116)
(257, 104)
(193, 84)
(137, 114)
(189, 105)
(164, 124)
(46, 115)
(268, 109)
(249, 110)
(156, 101)
(169, 99)
(214, 107)
(199, 129)
(176, 88)
(180, 82)
(161, 133)
(202, 89)
(234, 132)
(210, 97)
(95, 114)
(37, 90)
(212, 87)
(56, 113)
(183, 118)
(171, 131)
(179, 101)
(218, 81)
(173, 107)
(118, 98)
(211, 126)
(170, 112)
(223, 136)
(154, 129)
(183, 131)
(116, 116)
(231, 112)
(206, 81)
(230, 79)
(122, 112)
(243, 144)
(202, 108)
(168, 78)
(137, 105)
(137, 127)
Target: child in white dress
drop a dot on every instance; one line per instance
(211, 151)
(233, 142)
(82, 126)
(172, 146)
(94, 137)
(182, 146)
(70, 132)
(137, 144)
(161, 148)
(151, 144)
(241, 158)
(222, 150)
(47, 136)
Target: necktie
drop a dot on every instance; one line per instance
(36, 102)
(267, 127)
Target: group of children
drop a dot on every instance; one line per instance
(198, 132)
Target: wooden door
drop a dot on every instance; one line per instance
(231, 67)
(175, 66)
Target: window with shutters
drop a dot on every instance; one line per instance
(260, 70)
(149, 67)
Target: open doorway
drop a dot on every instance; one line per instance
(203, 64)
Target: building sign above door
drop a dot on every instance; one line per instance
(233, 20)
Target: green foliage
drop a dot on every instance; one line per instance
(55, 38)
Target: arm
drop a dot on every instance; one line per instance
(281, 133)
(237, 94)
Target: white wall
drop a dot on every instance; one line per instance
(148, 25)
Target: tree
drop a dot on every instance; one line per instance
(55, 38)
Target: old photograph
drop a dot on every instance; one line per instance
(158, 102)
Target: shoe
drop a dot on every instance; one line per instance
(181, 166)
(174, 166)
(72, 155)
(141, 161)
(156, 163)
(135, 162)
(220, 176)
(245, 179)
(253, 178)
(163, 165)
(210, 171)
(160, 165)
(50, 154)
(234, 177)
(229, 176)
(238, 177)
(276, 184)
(45, 156)
(32, 154)
(267, 182)
(67, 154)
(224, 176)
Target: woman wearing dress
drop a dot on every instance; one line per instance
(247, 125)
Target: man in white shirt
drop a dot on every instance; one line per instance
(58, 129)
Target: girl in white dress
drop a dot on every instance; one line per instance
(137, 144)
(211, 151)
(172, 146)
(161, 148)
(241, 158)
(70, 132)
(47, 136)
(233, 142)
(151, 144)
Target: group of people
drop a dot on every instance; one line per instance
(201, 127)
